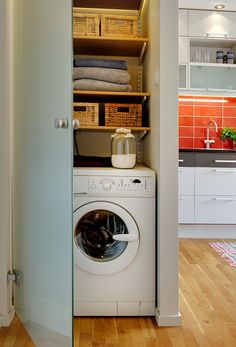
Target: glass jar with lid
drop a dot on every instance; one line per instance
(123, 149)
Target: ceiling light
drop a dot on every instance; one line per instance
(219, 7)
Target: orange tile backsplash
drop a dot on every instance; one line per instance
(194, 115)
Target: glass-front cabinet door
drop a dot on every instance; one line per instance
(43, 228)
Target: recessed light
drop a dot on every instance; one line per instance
(220, 6)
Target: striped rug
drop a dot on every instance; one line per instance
(227, 250)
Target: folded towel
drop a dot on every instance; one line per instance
(102, 74)
(108, 63)
(89, 84)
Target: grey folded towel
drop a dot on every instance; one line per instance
(89, 84)
(108, 63)
(102, 74)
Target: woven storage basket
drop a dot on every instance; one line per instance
(86, 113)
(113, 25)
(123, 115)
(85, 24)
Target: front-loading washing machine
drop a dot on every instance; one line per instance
(114, 242)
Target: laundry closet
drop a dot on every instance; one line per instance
(124, 32)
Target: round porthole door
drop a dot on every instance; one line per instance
(106, 237)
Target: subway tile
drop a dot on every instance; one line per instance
(198, 143)
(230, 101)
(185, 121)
(229, 112)
(204, 111)
(185, 143)
(199, 132)
(229, 122)
(186, 110)
(185, 131)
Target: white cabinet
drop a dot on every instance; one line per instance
(207, 191)
(184, 48)
(215, 181)
(186, 195)
(186, 209)
(215, 195)
(212, 24)
(206, 32)
(183, 22)
(212, 76)
(215, 210)
(186, 180)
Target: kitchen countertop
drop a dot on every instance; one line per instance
(204, 150)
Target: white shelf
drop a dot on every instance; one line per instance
(229, 66)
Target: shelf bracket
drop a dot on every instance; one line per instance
(140, 59)
(141, 135)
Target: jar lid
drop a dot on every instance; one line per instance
(123, 131)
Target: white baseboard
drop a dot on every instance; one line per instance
(207, 231)
(6, 320)
(168, 321)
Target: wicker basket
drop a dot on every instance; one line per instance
(85, 24)
(86, 113)
(113, 25)
(123, 115)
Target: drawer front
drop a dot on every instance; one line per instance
(186, 180)
(186, 209)
(215, 160)
(186, 159)
(215, 210)
(215, 181)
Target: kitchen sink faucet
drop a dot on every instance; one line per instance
(207, 141)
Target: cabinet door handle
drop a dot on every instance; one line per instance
(224, 199)
(225, 170)
(224, 161)
(217, 35)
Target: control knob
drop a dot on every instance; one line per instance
(107, 186)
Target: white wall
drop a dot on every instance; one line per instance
(161, 149)
(5, 164)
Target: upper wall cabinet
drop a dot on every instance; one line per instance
(212, 24)
(183, 22)
(184, 49)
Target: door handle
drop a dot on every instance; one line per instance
(125, 237)
(61, 123)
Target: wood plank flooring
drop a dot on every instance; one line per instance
(207, 305)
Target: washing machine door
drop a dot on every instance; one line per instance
(106, 237)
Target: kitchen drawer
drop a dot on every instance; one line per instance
(215, 181)
(215, 210)
(210, 159)
(186, 181)
(186, 159)
(186, 209)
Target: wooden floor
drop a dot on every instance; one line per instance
(207, 303)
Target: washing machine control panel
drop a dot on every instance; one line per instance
(119, 185)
